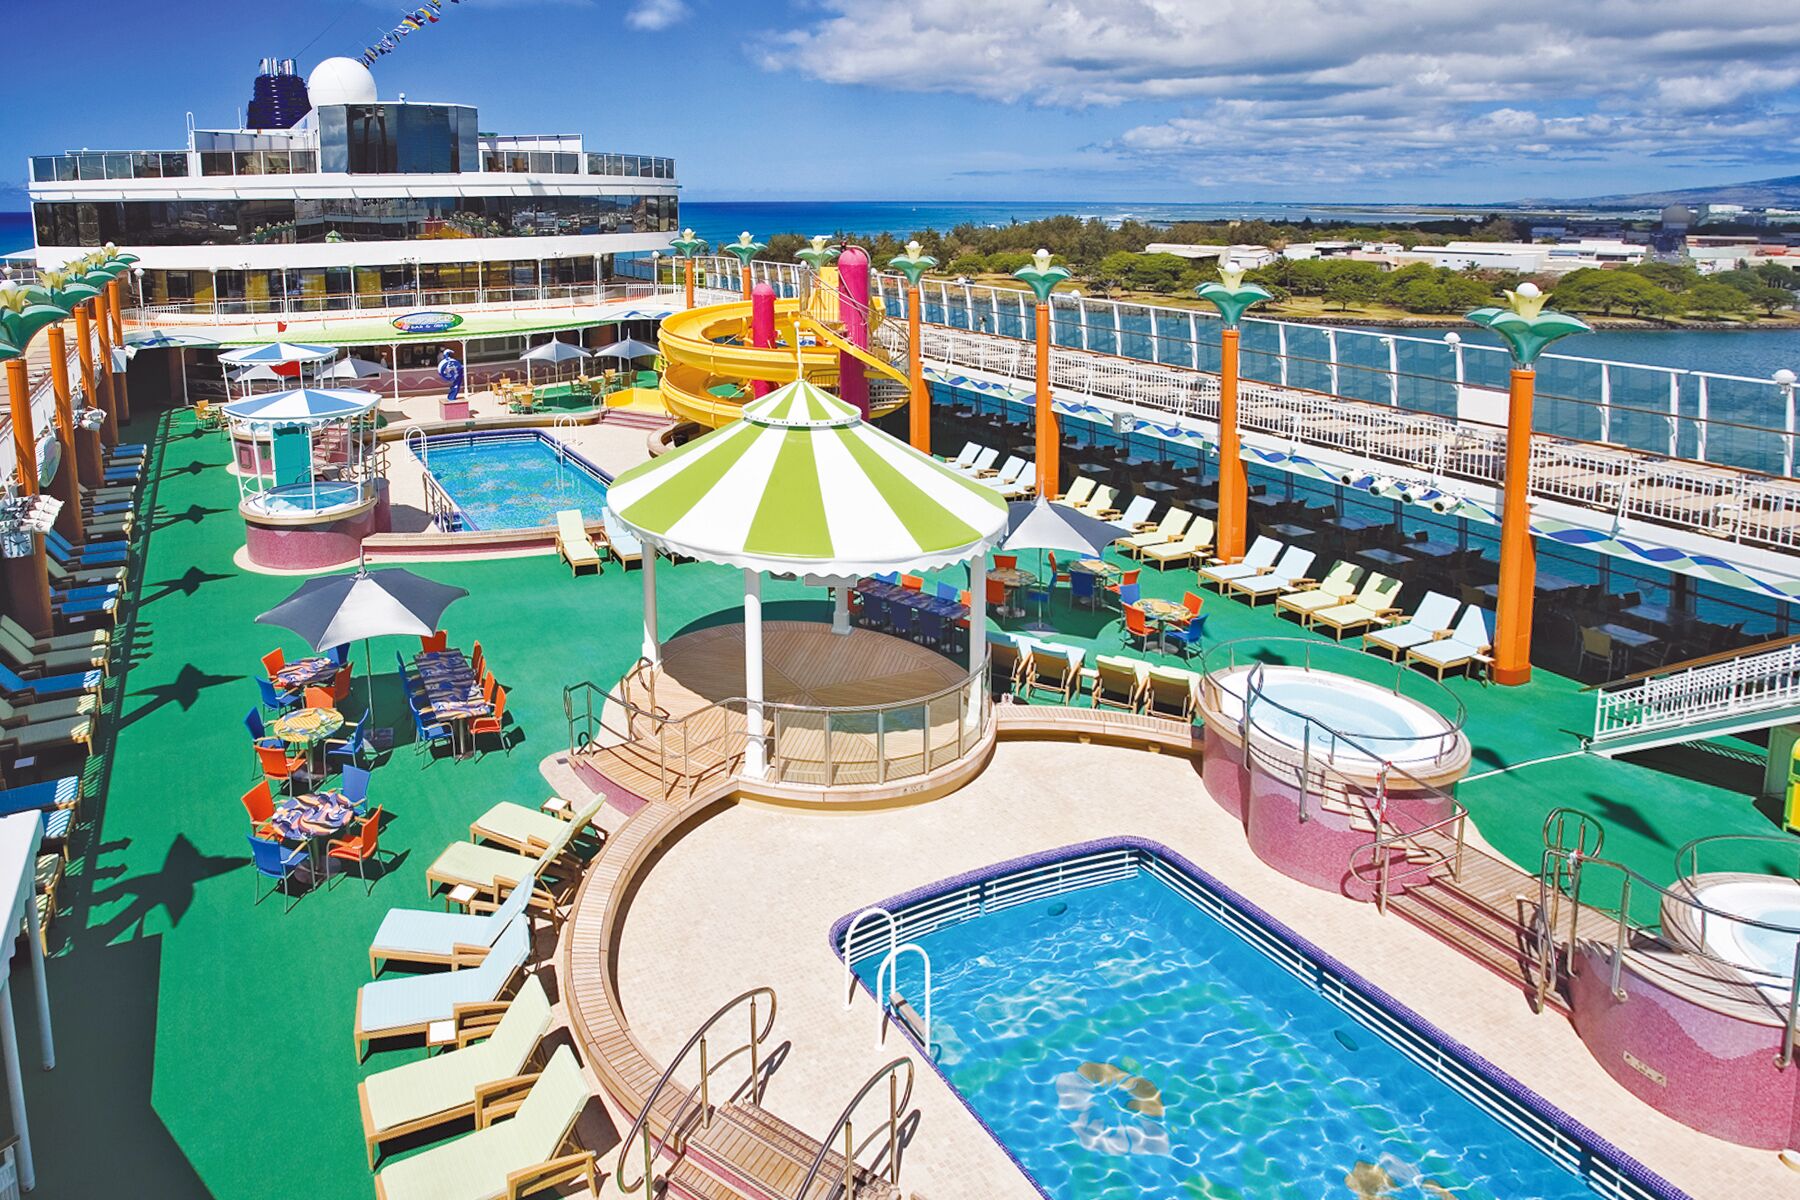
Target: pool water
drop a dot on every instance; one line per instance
(516, 481)
(1124, 1044)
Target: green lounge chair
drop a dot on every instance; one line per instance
(505, 1159)
(434, 1091)
(50, 733)
(422, 935)
(14, 713)
(29, 662)
(86, 639)
(492, 871)
(397, 1007)
(519, 828)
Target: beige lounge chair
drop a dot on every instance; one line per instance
(531, 832)
(1372, 605)
(1079, 493)
(436, 1091)
(1471, 642)
(1195, 543)
(1173, 525)
(1259, 558)
(1053, 669)
(1171, 692)
(1309, 596)
(507, 1157)
(573, 543)
(1099, 505)
(1008, 661)
(1117, 684)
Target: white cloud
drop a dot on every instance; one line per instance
(1322, 89)
(656, 15)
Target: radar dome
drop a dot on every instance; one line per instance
(340, 81)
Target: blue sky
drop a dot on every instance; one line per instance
(1172, 100)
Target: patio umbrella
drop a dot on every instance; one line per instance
(1040, 525)
(301, 406)
(554, 351)
(628, 350)
(338, 609)
(275, 353)
(353, 368)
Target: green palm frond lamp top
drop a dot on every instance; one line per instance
(22, 313)
(687, 245)
(1231, 295)
(1525, 325)
(8, 350)
(818, 255)
(1040, 276)
(744, 249)
(912, 264)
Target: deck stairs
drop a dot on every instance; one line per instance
(749, 1153)
(1756, 687)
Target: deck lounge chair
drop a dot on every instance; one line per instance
(435, 1091)
(1197, 542)
(29, 662)
(573, 543)
(1054, 669)
(1006, 472)
(86, 639)
(621, 541)
(1372, 605)
(65, 577)
(1260, 557)
(1009, 664)
(423, 935)
(35, 732)
(51, 793)
(1099, 505)
(1023, 485)
(1288, 571)
(409, 1004)
(983, 462)
(15, 711)
(506, 1158)
(1117, 684)
(494, 872)
(1080, 491)
(1431, 621)
(531, 832)
(46, 687)
(1308, 596)
(1171, 528)
(1171, 692)
(1136, 517)
(965, 457)
(1471, 642)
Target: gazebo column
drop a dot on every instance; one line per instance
(15, 1084)
(40, 987)
(978, 651)
(652, 644)
(756, 761)
(840, 607)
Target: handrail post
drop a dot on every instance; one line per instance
(1306, 770)
(1462, 825)
(1569, 959)
(1618, 962)
(649, 1166)
(894, 1112)
(849, 1161)
(880, 745)
(755, 1070)
(705, 1094)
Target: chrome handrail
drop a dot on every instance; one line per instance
(897, 1102)
(641, 1125)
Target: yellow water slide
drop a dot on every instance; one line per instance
(709, 360)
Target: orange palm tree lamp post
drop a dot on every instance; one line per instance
(1041, 277)
(1526, 327)
(744, 249)
(1231, 296)
(912, 264)
(687, 246)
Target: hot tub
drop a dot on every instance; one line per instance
(1764, 956)
(1347, 722)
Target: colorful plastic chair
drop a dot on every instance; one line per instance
(274, 861)
(359, 848)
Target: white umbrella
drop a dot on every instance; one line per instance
(1040, 525)
(353, 368)
(628, 349)
(554, 351)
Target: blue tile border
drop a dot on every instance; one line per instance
(1648, 1182)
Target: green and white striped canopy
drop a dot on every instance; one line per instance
(802, 484)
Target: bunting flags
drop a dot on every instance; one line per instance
(410, 22)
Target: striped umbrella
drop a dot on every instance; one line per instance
(802, 484)
(277, 354)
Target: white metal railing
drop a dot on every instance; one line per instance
(893, 939)
(1741, 686)
(394, 302)
(887, 983)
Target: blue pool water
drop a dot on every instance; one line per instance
(1124, 1044)
(515, 481)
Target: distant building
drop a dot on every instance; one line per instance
(1677, 217)
(1248, 257)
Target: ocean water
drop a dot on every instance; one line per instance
(1124, 1044)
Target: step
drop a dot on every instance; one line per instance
(760, 1148)
(1474, 916)
(690, 1180)
(1505, 964)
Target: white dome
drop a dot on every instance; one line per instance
(340, 81)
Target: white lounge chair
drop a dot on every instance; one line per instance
(1007, 471)
(424, 935)
(1433, 620)
(1373, 605)
(1471, 642)
(623, 543)
(1099, 505)
(1197, 542)
(1337, 587)
(1173, 525)
(1080, 491)
(964, 458)
(573, 544)
(412, 1003)
(1025, 484)
(1136, 517)
(983, 461)
(1260, 557)
(1291, 567)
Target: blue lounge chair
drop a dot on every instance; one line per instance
(274, 861)
(46, 686)
(91, 554)
(52, 793)
(424, 935)
(80, 607)
(409, 1004)
(130, 450)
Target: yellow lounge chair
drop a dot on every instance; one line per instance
(573, 543)
(1099, 505)
(1117, 684)
(1079, 493)
(1171, 528)
(1194, 544)
(1308, 597)
(1374, 603)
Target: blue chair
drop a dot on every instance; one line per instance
(91, 554)
(949, 592)
(892, 577)
(875, 612)
(1182, 640)
(427, 733)
(273, 700)
(340, 655)
(933, 629)
(350, 746)
(274, 861)
(355, 787)
(1128, 594)
(1083, 588)
(46, 686)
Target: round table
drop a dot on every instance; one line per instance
(313, 819)
(307, 728)
(1162, 614)
(1012, 579)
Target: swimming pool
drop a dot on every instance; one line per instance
(1147, 1034)
(513, 479)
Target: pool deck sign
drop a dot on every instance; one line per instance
(428, 321)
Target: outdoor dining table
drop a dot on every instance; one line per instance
(1012, 579)
(305, 672)
(1104, 573)
(1430, 548)
(1291, 532)
(1387, 558)
(1655, 614)
(1162, 614)
(307, 729)
(452, 691)
(313, 819)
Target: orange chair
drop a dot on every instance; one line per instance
(276, 764)
(259, 802)
(273, 661)
(437, 641)
(494, 724)
(996, 594)
(477, 660)
(489, 685)
(1128, 578)
(319, 697)
(1192, 603)
(1006, 562)
(340, 686)
(912, 583)
(359, 848)
(1137, 626)
(1057, 574)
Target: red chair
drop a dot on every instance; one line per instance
(1137, 626)
(1057, 574)
(277, 765)
(1125, 580)
(494, 724)
(360, 848)
(340, 686)
(319, 697)
(1006, 562)
(489, 685)
(996, 594)
(1192, 603)
(437, 641)
(477, 660)
(273, 661)
(259, 802)
(912, 583)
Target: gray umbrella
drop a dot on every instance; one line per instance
(335, 610)
(1040, 525)
(628, 349)
(554, 351)
(353, 368)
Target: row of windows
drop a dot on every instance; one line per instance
(364, 287)
(347, 219)
(173, 164)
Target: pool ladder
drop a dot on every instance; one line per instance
(421, 451)
(888, 973)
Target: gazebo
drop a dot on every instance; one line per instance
(802, 486)
(306, 470)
